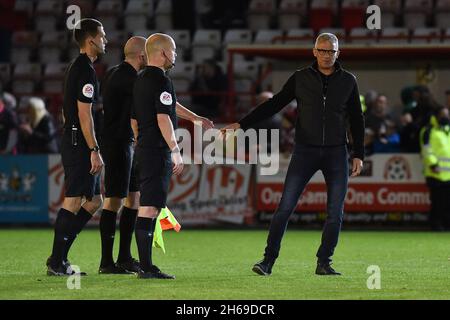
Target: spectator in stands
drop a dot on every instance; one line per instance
(388, 139)
(369, 99)
(416, 117)
(8, 128)
(378, 113)
(38, 133)
(209, 85)
(435, 147)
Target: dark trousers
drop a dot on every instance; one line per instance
(440, 204)
(305, 161)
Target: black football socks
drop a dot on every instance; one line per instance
(81, 219)
(145, 228)
(126, 226)
(107, 232)
(63, 229)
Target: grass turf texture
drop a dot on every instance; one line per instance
(217, 265)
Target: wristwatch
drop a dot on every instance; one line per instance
(95, 149)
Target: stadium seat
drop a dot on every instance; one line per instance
(442, 14)
(52, 86)
(322, 13)
(27, 71)
(268, 36)
(389, 9)
(426, 35)
(245, 70)
(143, 33)
(291, 14)
(54, 38)
(5, 72)
(210, 38)
(300, 36)
(20, 55)
(260, 13)
(23, 86)
(338, 32)
(353, 13)
(86, 6)
(54, 71)
(49, 54)
(109, 23)
(26, 6)
(116, 38)
(417, 13)
(183, 70)
(163, 15)
(363, 36)
(140, 7)
(49, 7)
(200, 53)
(25, 39)
(45, 23)
(394, 35)
(236, 36)
(135, 22)
(181, 37)
(109, 8)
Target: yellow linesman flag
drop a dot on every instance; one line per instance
(165, 221)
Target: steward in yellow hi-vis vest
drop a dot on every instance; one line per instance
(435, 149)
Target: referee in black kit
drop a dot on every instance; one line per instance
(117, 151)
(80, 155)
(157, 153)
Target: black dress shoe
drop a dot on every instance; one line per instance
(131, 266)
(112, 269)
(263, 267)
(154, 273)
(326, 270)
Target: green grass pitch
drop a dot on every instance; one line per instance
(217, 265)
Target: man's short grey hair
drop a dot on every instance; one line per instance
(327, 37)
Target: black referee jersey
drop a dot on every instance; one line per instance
(153, 94)
(80, 84)
(117, 93)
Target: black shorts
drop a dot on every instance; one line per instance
(155, 170)
(78, 182)
(120, 176)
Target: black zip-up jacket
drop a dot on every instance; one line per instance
(321, 119)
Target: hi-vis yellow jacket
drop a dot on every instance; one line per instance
(435, 149)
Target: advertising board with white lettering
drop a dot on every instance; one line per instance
(389, 182)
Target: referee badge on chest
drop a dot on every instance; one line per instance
(166, 98)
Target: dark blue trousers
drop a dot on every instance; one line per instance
(305, 161)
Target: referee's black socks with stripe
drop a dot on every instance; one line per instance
(145, 228)
(81, 218)
(126, 225)
(107, 233)
(63, 226)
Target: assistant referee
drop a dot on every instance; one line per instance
(80, 154)
(117, 150)
(157, 153)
